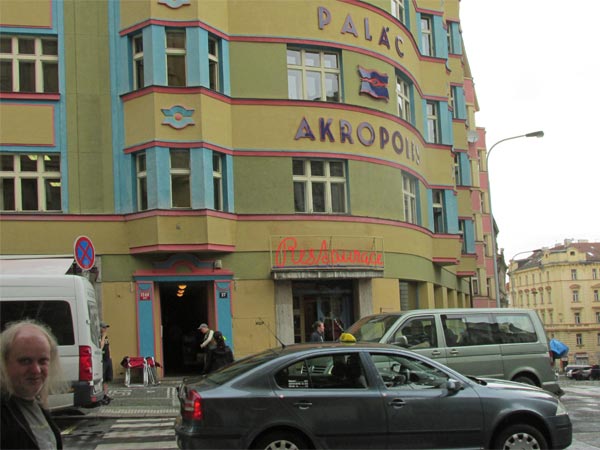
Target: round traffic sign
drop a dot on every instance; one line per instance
(85, 254)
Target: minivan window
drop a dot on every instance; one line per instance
(94, 322)
(515, 328)
(468, 329)
(54, 313)
(419, 332)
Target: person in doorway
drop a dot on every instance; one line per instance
(29, 369)
(107, 368)
(318, 333)
(207, 345)
(222, 354)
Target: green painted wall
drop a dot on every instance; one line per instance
(258, 70)
(89, 141)
(375, 191)
(263, 185)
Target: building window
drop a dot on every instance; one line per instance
(427, 35)
(598, 338)
(28, 64)
(433, 122)
(313, 75)
(597, 317)
(439, 222)
(594, 274)
(319, 186)
(142, 183)
(577, 318)
(213, 64)
(579, 339)
(403, 92)
(575, 295)
(475, 286)
(573, 274)
(180, 178)
(449, 35)
(399, 10)
(30, 182)
(138, 61)
(409, 192)
(462, 226)
(218, 181)
(541, 297)
(457, 170)
(596, 295)
(175, 51)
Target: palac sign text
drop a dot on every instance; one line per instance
(365, 133)
(289, 255)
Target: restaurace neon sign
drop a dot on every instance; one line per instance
(289, 255)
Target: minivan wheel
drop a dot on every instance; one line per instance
(520, 436)
(525, 380)
(281, 440)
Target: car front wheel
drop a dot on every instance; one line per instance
(281, 440)
(523, 437)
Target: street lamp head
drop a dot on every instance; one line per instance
(538, 134)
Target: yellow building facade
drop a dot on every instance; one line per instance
(562, 284)
(255, 165)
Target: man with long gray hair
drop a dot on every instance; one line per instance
(29, 370)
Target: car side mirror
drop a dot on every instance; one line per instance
(401, 341)
(453, 385)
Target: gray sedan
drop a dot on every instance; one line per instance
(362, 396)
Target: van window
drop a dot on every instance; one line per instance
(419, 333)
(468, 329)
(515, 328)
(94, 322)
(372, 328)
(54, 313)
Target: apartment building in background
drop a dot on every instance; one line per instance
(255, 165)
(562, 283)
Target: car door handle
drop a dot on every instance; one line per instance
(303, 405)
(436, 353)
(454, 352)
(397, 403)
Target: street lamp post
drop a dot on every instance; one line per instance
(538, 134)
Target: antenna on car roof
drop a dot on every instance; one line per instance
(260, 321)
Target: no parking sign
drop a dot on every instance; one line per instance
(84, 252)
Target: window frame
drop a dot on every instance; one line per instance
(404, 97)
(433, 121)
(137, 61)
(175, 52)
(323, 71)
(44, 180)
(217, 173)
(214, 72)
(180, 174)
(398, 10)
(409, 197)
(439, 212)
(141, 181)
(427, 36)
(308, 181)
(38, 58)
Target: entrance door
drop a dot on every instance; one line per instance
(183, 306)
(330, 302)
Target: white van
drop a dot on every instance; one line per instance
(484, 342)
(67, 304)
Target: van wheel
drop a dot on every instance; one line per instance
(525, 380)
(281, 440)
(520, 436)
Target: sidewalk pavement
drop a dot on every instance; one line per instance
(138, 401)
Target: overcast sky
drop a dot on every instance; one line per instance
(536, 66)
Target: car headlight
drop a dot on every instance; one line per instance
(560, 409)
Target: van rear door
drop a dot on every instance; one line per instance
(476, 351)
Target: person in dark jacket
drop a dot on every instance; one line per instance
(29, 369)
(318, 333)
(222, 354)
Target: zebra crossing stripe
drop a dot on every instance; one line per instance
(139, 433)
(143, 425)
